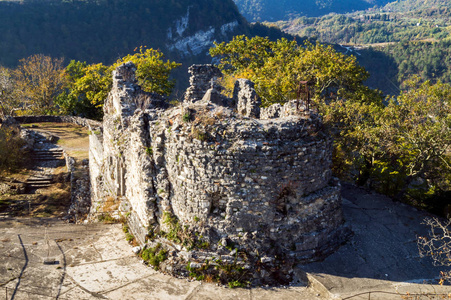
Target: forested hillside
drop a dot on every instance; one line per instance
(363, 28)
(394, 42)
(105, 30)
(274, 10)
(415, 5)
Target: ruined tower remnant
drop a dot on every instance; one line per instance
(200, 81)
(248, 189)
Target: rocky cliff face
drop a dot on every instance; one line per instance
(199, 41)
(261, 186)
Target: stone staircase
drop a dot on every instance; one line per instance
(48, 154)
(39, 181)
(46, 158)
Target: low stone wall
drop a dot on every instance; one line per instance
(11, 187)
(80, 191)
(59, 119)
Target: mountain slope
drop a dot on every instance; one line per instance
(108, 29)
(416, 5)
(275, 10)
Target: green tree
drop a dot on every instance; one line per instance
(276, 68)
(152, 72)
(87, 88)
(401, 149)
(89, 85)
(419, 122)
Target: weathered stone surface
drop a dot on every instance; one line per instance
(213, 96)
(80, 191)
(263, 187)
(9, 122)
(291, 108)
(200, 81)
(248, 102)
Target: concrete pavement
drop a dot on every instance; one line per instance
(381, 260)
(94, 261)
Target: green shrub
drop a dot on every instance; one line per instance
(149, 151)
(129, 237)
(12, 156)
(154, 255)
(186, 117)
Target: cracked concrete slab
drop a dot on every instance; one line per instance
(94, 261)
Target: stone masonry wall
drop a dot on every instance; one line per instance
(263, 184)
(95, 169)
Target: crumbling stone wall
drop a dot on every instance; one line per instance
(263, 185)
(248, 102)
(200, 81)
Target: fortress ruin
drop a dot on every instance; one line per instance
(247, 186)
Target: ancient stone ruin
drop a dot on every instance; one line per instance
(229, 189)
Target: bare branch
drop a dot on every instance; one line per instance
(437, 245)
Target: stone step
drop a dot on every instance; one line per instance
(39, 185)
(48, 153)
(49, 150)
(39, 182)
(41, 176)
(47, 158)
(40, 179)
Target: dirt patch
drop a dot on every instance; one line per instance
(72, 138)
(49, 202)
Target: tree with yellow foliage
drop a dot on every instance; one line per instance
(89, 85)
(276, 68)
(401, 148)
(38, 80)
